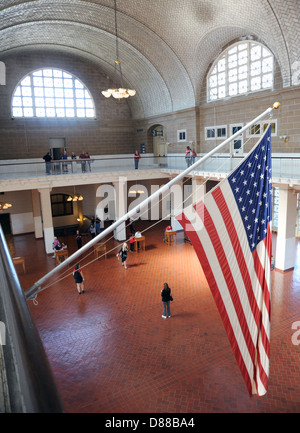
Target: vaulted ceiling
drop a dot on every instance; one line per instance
(165, 46)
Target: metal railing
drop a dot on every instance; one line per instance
(29, 386)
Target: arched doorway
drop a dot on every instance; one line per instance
(159, 140)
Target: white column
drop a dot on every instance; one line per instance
(176, 197)
(37, 217)
(120, 207)
(286, 240)
(198, 189)
(47, 218)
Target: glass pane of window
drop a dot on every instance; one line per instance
(17, 112)
(80, 112)
(255, 68)
(221, 92)
(255, 83)
(17, 101)
(58, 82)
(57, 73)
(267, 81)
(70, 112)
(38, 91)
(69, 102)
(58, 93)
(267, 65)
(50, 112)
(49, 102)
(39, 102)
(18, 91)
(232, 75)
(243, 86)
(47, 72)
(80, 103)
(27, 102)
(26, 81)
(60, 112)
(221, 65)
(68, 93)
(59, 102)
(79, 93)
(78, 84)
(38, 81)
(255, 52)
(49, 92)
(26, 91)
(233, 89)
(232, 61)
(68, 83)
(90, 113)
(28, 112)
(40, 112)
(37, 73)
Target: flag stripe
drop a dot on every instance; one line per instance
(201, 253)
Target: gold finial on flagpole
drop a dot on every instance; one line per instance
(276, 105)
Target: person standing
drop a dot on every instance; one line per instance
(137, 158)
(92, 231)
(98, 228)
(78, 239)
(123, 254)
(188, 156)
(47, 158)
(82, 157)
(78, 277)
(166, 298)
(65, 165)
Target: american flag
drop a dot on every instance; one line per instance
(230, 230)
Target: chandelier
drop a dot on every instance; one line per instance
(75, 197)
(121, 92)
(4, 206)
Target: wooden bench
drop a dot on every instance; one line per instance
(99, 248)
(19, 260)
(60, 253)
(170, 237)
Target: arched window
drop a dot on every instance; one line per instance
(52, 93)
(244, 67)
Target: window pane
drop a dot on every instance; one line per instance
(28, 112)
(38, 91)
(68, 83)
(69, 102)
(60, 112)
(80, 103)
(38, 81)
(17, 112)
(26, 91)
(47, 72)
(50, 112)
(39, 102)
(49, 92)
(27, 102)
(58, 93)
(69, 93)
(58, 82)
(17, 102)
(78, 84)
(90, 113)
(49, 102)
(26, 81)
(59, 102)
(40, 112)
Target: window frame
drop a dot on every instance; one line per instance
(215, 130)
(183, 133)
(52, 93)
(245, 70)
(64, 202)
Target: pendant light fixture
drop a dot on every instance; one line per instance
(121, 92)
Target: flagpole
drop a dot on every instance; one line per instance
(36, 287)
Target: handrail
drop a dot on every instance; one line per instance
(29, 376)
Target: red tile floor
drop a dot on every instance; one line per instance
(111, 351)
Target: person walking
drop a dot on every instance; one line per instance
(98, 227)
(166, 298)
(123, 254)
(78, 277)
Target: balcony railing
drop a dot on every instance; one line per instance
(283, 166)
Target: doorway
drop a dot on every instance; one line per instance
(5, 223)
